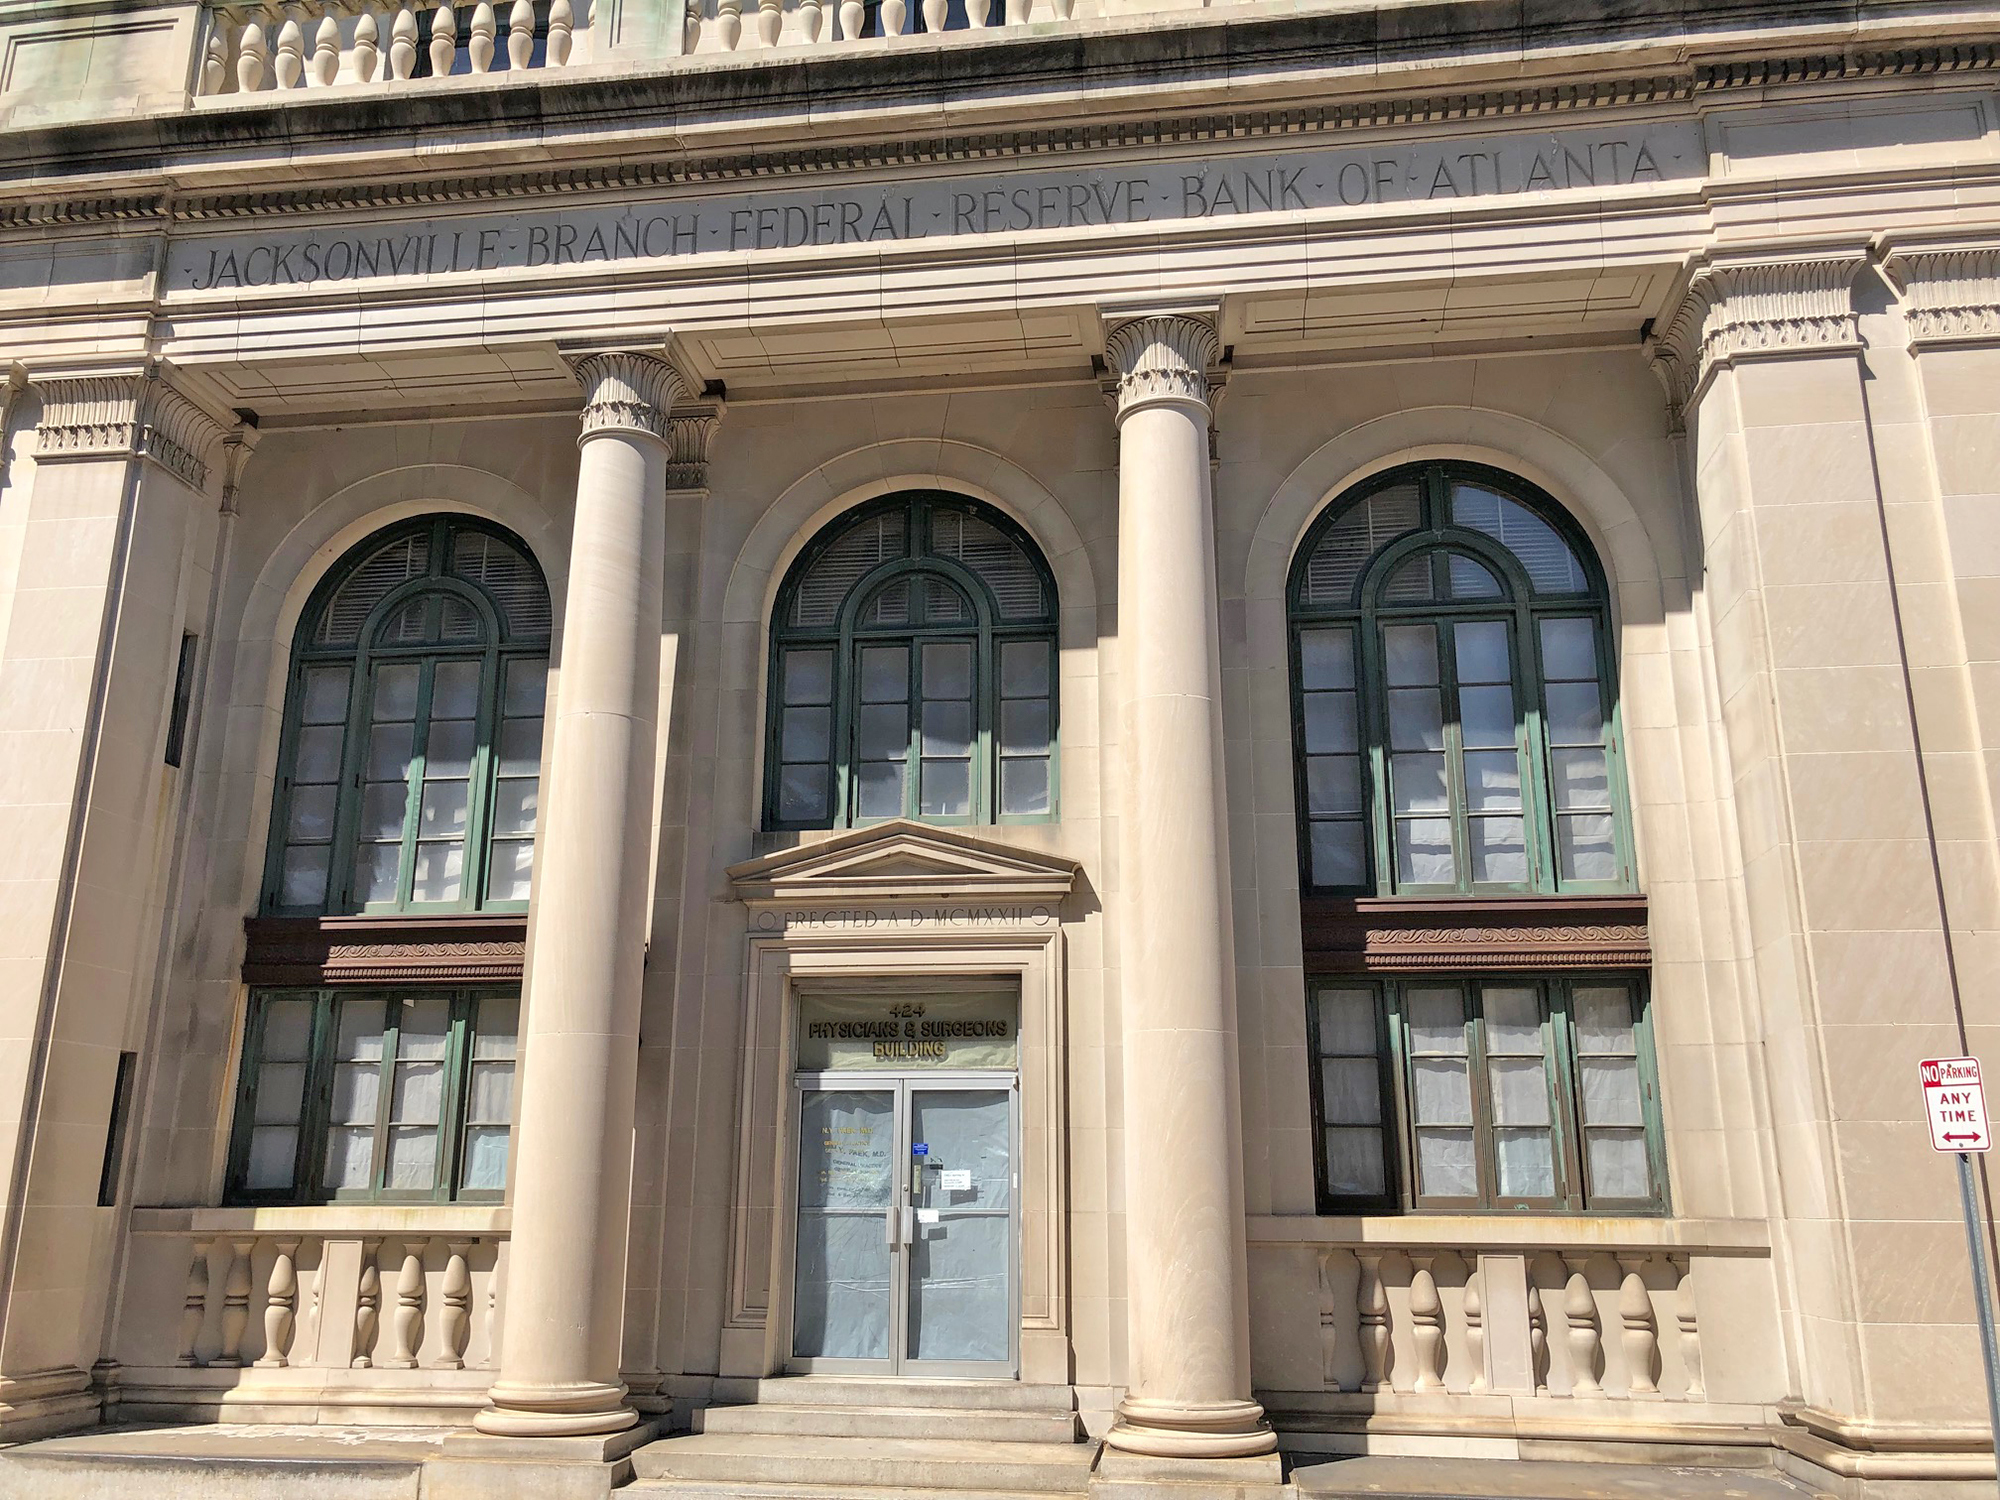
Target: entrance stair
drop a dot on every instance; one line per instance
(818, 1437)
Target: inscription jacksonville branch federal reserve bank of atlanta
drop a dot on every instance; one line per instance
(1177, 189)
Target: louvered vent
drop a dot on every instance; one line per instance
(409, 627)
(1551, 566)
(891, 605)
(393, 564)
(513, 581)
(945, 605)
(461, 622)
(863, 546)
(995, 557)
(1336, 563)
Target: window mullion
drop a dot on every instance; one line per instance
(413, 801)
(480, 780)
(1566, 1106)
(1454, 756)
(1541, 823)
(451, 1098)
(1373, 709)
(913, 748)
(392, 1026)
(310, 1177)
(983, 776)
(1487, 1169)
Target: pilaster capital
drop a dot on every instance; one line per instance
(1950, 290)
(690, 431)
(130, 412)
(1758, 305)
(1161, 356)
(625, 390)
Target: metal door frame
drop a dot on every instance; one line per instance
(899, 1226)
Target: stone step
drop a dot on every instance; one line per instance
(703, 1489)
(882, 1390)
(842, 1420)
(842, 1464)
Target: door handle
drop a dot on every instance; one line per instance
(909, 1224)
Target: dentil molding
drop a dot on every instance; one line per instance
(133, 413)
(625, 391)
(1758, 308)
(1161, 357)
(1951, 293)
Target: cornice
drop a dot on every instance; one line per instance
(1748, 305)
(1950, 292)
(384, 950)
(1397, 935)
(133, 412)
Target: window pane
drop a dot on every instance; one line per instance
(302, 881)
(520, 747)
(1419, 783)
(1581, 778)
(1585, 844)
(1445, 1166)
(395, 692)
(281, 1089)
(807, 734)
(360, 1036)
(1347, 1023)
(1576, 713)
(947, 788)
(1423, 852)
(448, 747)
(440, 872)
(1493, 781)
(1569, 650)
(948, 670)
(1351, 1090)
(884, 731)
(417, 1095)
(880, 793)
(423, 1027)
(491, 1093)
(527, 694)
(1441, 1091)
(1326, 659)
(316, 756)
(1604, 1019)
(1416, 719)
(412, 1157)
(1330, 723)
(1618, 1163)
(947, 728)
(443, 811)
(1520, 1088)
(1338, 858)
(1513, 1017)
(1024, 669)
(357, 1090)
(802, 793)
(1024, 785)
(309, 813)
(288, 1030)
(350, 1158)
(324, 700)
(455, 690)
(485, 1158)
(1437, 1020)
(1410, 653)
(885, 674)
(385, 805)
(510, 869)
(1333, 784)
(515, 802)
(808, 676)
(1526, 1163)
(1354, 1162)
(378, 872)
(1486, 717)
(499, 1026)
(273, 1153)
(1611, 1091)
(1482, 652)
(1024, 726)
(389, 751)
(1499, 850)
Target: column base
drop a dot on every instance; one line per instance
(1140, 1476)
(579, 1410)
(470, 1466)
(1179, 1429)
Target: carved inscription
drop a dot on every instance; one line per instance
(996, 202)
(888, 919)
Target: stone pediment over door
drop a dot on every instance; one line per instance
(904, 863)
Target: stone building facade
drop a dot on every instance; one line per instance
(1226, 730)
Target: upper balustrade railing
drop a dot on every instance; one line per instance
(270, 47)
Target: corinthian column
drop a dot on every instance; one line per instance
(1188, 1380)
(573, 1173)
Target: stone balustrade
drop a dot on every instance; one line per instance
(720, 25)
(265, 46)
(237, 1306)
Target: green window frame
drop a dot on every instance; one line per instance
(1485, 1093)
(375, 1096)
(913, 671)
(410, 760)
(1455, 711)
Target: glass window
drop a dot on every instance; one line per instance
(410, 772)
(1509, 1092)
(376, 1096)
(1453, 698)
(913, 671)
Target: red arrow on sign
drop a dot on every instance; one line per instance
(1962, 1138)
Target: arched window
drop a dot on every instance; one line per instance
(1455, 721)
(409, 769)
(913, 671)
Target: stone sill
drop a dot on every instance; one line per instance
(1514, 1231)
(333, 1220)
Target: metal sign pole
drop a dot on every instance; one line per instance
(1983, 1291)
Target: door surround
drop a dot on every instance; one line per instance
(903, 905)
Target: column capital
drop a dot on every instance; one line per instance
(1950, 289)
(690, 430)
(129, 411)
(1758, 305)
(1161, 355)
(626, 390)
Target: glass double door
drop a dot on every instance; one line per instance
(906, 1226)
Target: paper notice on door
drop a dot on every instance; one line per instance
(956, 1179)
(927, 1216)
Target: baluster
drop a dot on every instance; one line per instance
(729, 23)
(1580, 1313)
(367, 45)
(978, 14)
(562, 26)
(692, 27)
(810, 19)
(934, 14)
(1427, 1318)
(1690, 1334)
(479, 45)
(235, 1305)
(1641, 1338)
(1329, 1333)
(194, 1305)
(1065, 9)
(770, 21)
(1538, 1335)
(444, 41)
(895, 16)
(403, 44)
(215, 54)
(291, 59)
(406, 1327)
(367, 1305)
(521, 35)
(1373, 1301)
(1017, 12)
(326, 48)
(1475, 1329)
(853, 16)
(281, 1301)
(457, 1306)
(253, 53)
